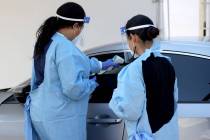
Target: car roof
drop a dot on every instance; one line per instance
(193, 47)
(107, 48)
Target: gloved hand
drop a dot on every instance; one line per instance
(109, 63)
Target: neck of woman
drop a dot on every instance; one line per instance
(68, 33)
(141, 47)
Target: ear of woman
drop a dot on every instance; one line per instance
(135, 40)
(77, 29)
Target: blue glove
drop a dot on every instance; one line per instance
(109, 63)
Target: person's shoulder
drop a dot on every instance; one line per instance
(65, 44)
(131, 71)
(62, 41)
(136, 64)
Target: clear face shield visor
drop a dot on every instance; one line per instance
(123, 30)
(79, 41)
(124, 36)
(124, 41)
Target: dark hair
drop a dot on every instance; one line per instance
(53, 24)
(145, 34)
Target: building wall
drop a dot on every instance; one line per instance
(20, 20)
(184, 18)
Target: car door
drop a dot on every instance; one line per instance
(193, 73)
(11, 117)
(102, 123)
(11, 111)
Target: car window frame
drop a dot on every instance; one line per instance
(191, 109)
(185, 109)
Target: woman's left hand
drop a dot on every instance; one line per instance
(109, 63)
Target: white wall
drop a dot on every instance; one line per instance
(184, 18)
(19, 21)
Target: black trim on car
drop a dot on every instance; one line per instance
(185, 53)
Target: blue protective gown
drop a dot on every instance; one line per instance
(129, 101)
(58, 107)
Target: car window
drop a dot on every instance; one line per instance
(19, 94)
(107, 81)
(193, 75)
(11, 100)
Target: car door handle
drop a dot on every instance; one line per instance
(104, 121)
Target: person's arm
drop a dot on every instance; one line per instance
(128, 99)
(95, 65)
(75, 84)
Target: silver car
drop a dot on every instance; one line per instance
(192, 65)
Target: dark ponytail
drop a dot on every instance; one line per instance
(145, 34)
(53, 24)
(44, 34)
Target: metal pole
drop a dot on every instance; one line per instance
(168, 14)
(157, 8)
(162, 17)
(208, 19)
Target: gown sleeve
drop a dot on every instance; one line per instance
(95, 65)
(71, 70)
(129, 97)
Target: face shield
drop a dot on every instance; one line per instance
(79, 41)
(123, 30)
(125, 38)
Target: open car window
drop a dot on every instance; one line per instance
(108, 80)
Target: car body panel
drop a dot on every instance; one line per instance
(11, 122)
(103, 122)
(194, 117)
(4, 96)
